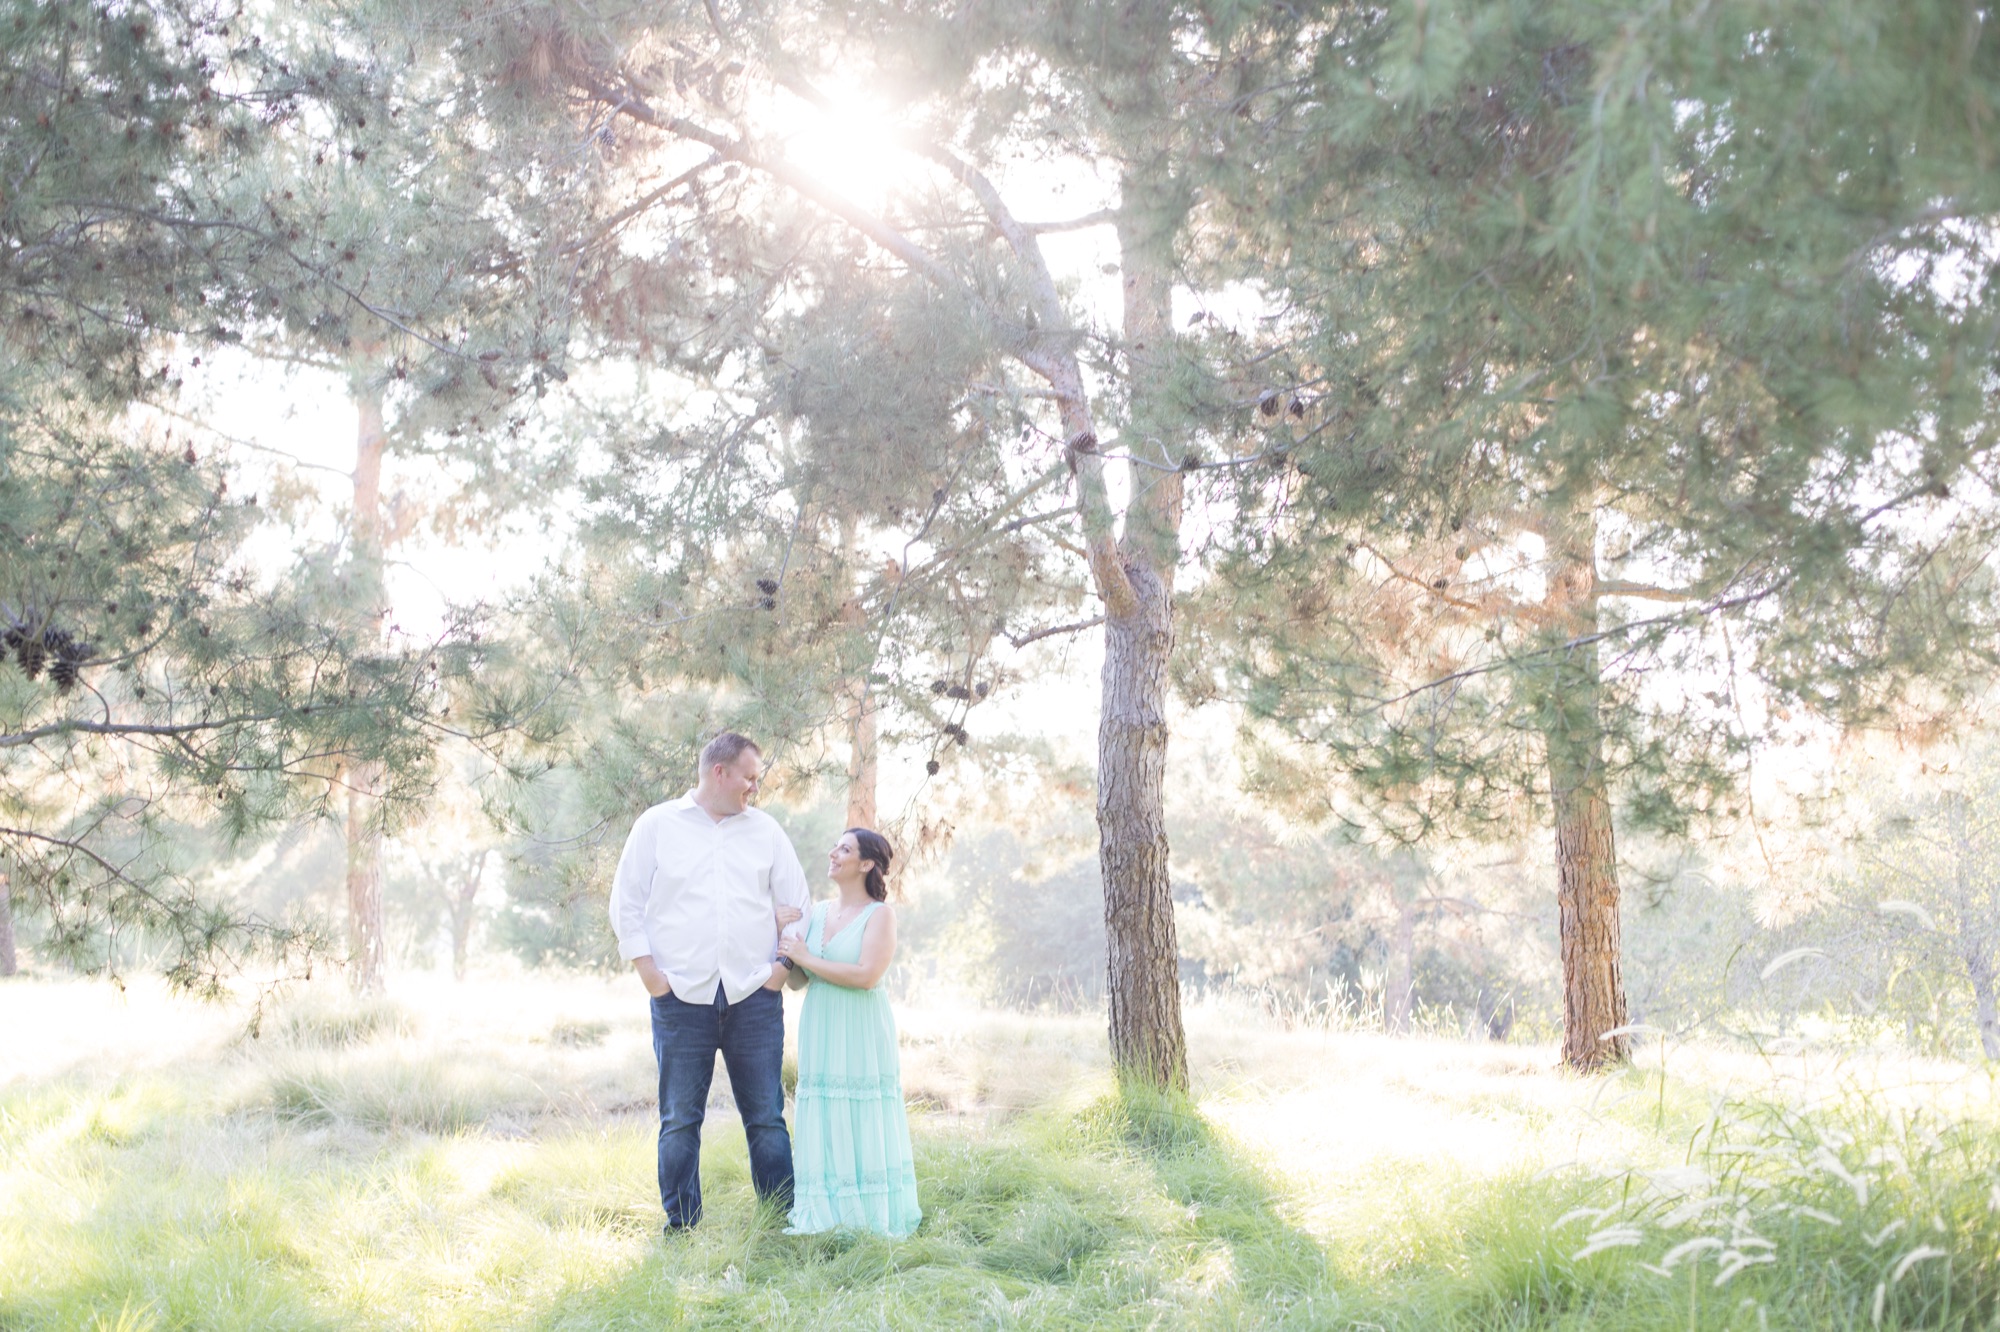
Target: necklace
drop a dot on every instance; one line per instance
(832, 930)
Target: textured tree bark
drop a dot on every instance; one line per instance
(367, 949)
(10, 962)
(1143, 962)
(1143, 966)
(1586, 849)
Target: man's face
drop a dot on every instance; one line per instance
(737, 782)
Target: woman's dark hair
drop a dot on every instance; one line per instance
(874, 848)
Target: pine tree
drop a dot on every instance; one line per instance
(1133, 93)
(1629, 353)
(160, 160)
(435, 313)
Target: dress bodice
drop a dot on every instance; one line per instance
(844, 945)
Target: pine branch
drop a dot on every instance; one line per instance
(630, 103)
(1618, 587)
(1571, 644)
(177, 729)
(1051, 631)
(1101, 218)
(1055, 363)
(1429, 589)
(236, 442)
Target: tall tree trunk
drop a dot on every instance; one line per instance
(367, 953)
(10, 963)
(1975, 932)
(367, 948)
(1397, 984)
(1143, 960)
(464, 910)
(1147, 1038)
(1979, 967)
(1586, 850)
(861, 746)
(859, 699)
(461, 940)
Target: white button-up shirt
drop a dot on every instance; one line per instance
(697, 895)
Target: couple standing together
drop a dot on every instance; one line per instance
(711, 908)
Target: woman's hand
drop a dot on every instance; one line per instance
(786, 915)
(795, 948)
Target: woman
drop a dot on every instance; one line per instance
(850, 1135)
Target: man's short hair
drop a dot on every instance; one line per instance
(726, 748)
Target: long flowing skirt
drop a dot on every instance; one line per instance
(851, 1156)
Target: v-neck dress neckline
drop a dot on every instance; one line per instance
(825, 939)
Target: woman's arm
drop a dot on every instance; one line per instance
(878, 947)
(782, 976)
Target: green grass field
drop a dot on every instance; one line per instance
(480, 1156)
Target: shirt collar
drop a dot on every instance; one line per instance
(686, 805)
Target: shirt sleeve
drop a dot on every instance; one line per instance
(788, 883)
(630, 887)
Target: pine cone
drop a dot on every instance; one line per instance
(71, 654)
(768, 586)
(30, 653)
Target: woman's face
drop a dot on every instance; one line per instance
(844, 861)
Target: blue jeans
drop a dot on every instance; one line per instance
(750, 1036)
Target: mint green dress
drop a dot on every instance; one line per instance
(851, 1160)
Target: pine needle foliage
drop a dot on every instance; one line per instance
(166, 166)
(1642, 403)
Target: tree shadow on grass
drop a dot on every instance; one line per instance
(1134, 1211)
(1251, 1260)
(1128, 1214)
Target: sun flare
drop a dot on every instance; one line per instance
(853, 147)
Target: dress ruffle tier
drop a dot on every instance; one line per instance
(851, 1159)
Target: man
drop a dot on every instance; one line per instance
(693, 906)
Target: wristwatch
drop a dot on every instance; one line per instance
(788, 964)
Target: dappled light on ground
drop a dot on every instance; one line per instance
(481, 1156)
